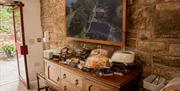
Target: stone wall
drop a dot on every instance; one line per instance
(153, 26)
(153, 32)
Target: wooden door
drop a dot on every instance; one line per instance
(21, 47)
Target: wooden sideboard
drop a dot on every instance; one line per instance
(65, 78)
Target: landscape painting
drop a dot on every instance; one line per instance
(95, 19)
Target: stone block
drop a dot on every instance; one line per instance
(167, 24)
(145, 2)
(143, 46)
(53, 37)
(46, 46)
(54, 45)
(167, 60)
(57, 37)
(168, 6)
(165, 71)
(147, 70)
(167, 20)
(174, 50)
(130, 44)
(131, 35)
(165, 1)
(140, 17)
(145, 35)
(158, 47)
(48, 27)
(144, 58)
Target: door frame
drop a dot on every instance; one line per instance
(21, 5)
(15, 5)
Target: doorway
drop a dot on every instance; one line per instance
(18, 46)
(8, 60)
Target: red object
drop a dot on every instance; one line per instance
(39, 39)
(24, 50)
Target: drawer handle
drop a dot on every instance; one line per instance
(58, 79)
(65, 88)
(89, 89)
(76, 83)
(64, 76)
(48, 70)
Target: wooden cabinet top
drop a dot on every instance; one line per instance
(115, 80)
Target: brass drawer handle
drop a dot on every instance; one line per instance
(58, 79)
(65, 88)
(89, 89)
(48, 70)
(76, 83)
(64, 76)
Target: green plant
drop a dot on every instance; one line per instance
(6, 17)
(8, 48)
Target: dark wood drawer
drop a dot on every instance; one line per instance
(92, 86)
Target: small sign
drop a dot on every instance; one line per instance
(39, 39)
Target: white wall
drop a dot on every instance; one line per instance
(32, 25)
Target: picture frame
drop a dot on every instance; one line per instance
(94, 21)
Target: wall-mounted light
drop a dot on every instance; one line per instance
(46, 37)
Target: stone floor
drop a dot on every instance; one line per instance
(18, 86)
(9, 80)
(8, 70)
(14, 86)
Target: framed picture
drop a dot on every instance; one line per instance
(96, 21)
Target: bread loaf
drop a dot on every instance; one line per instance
(97, 61)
